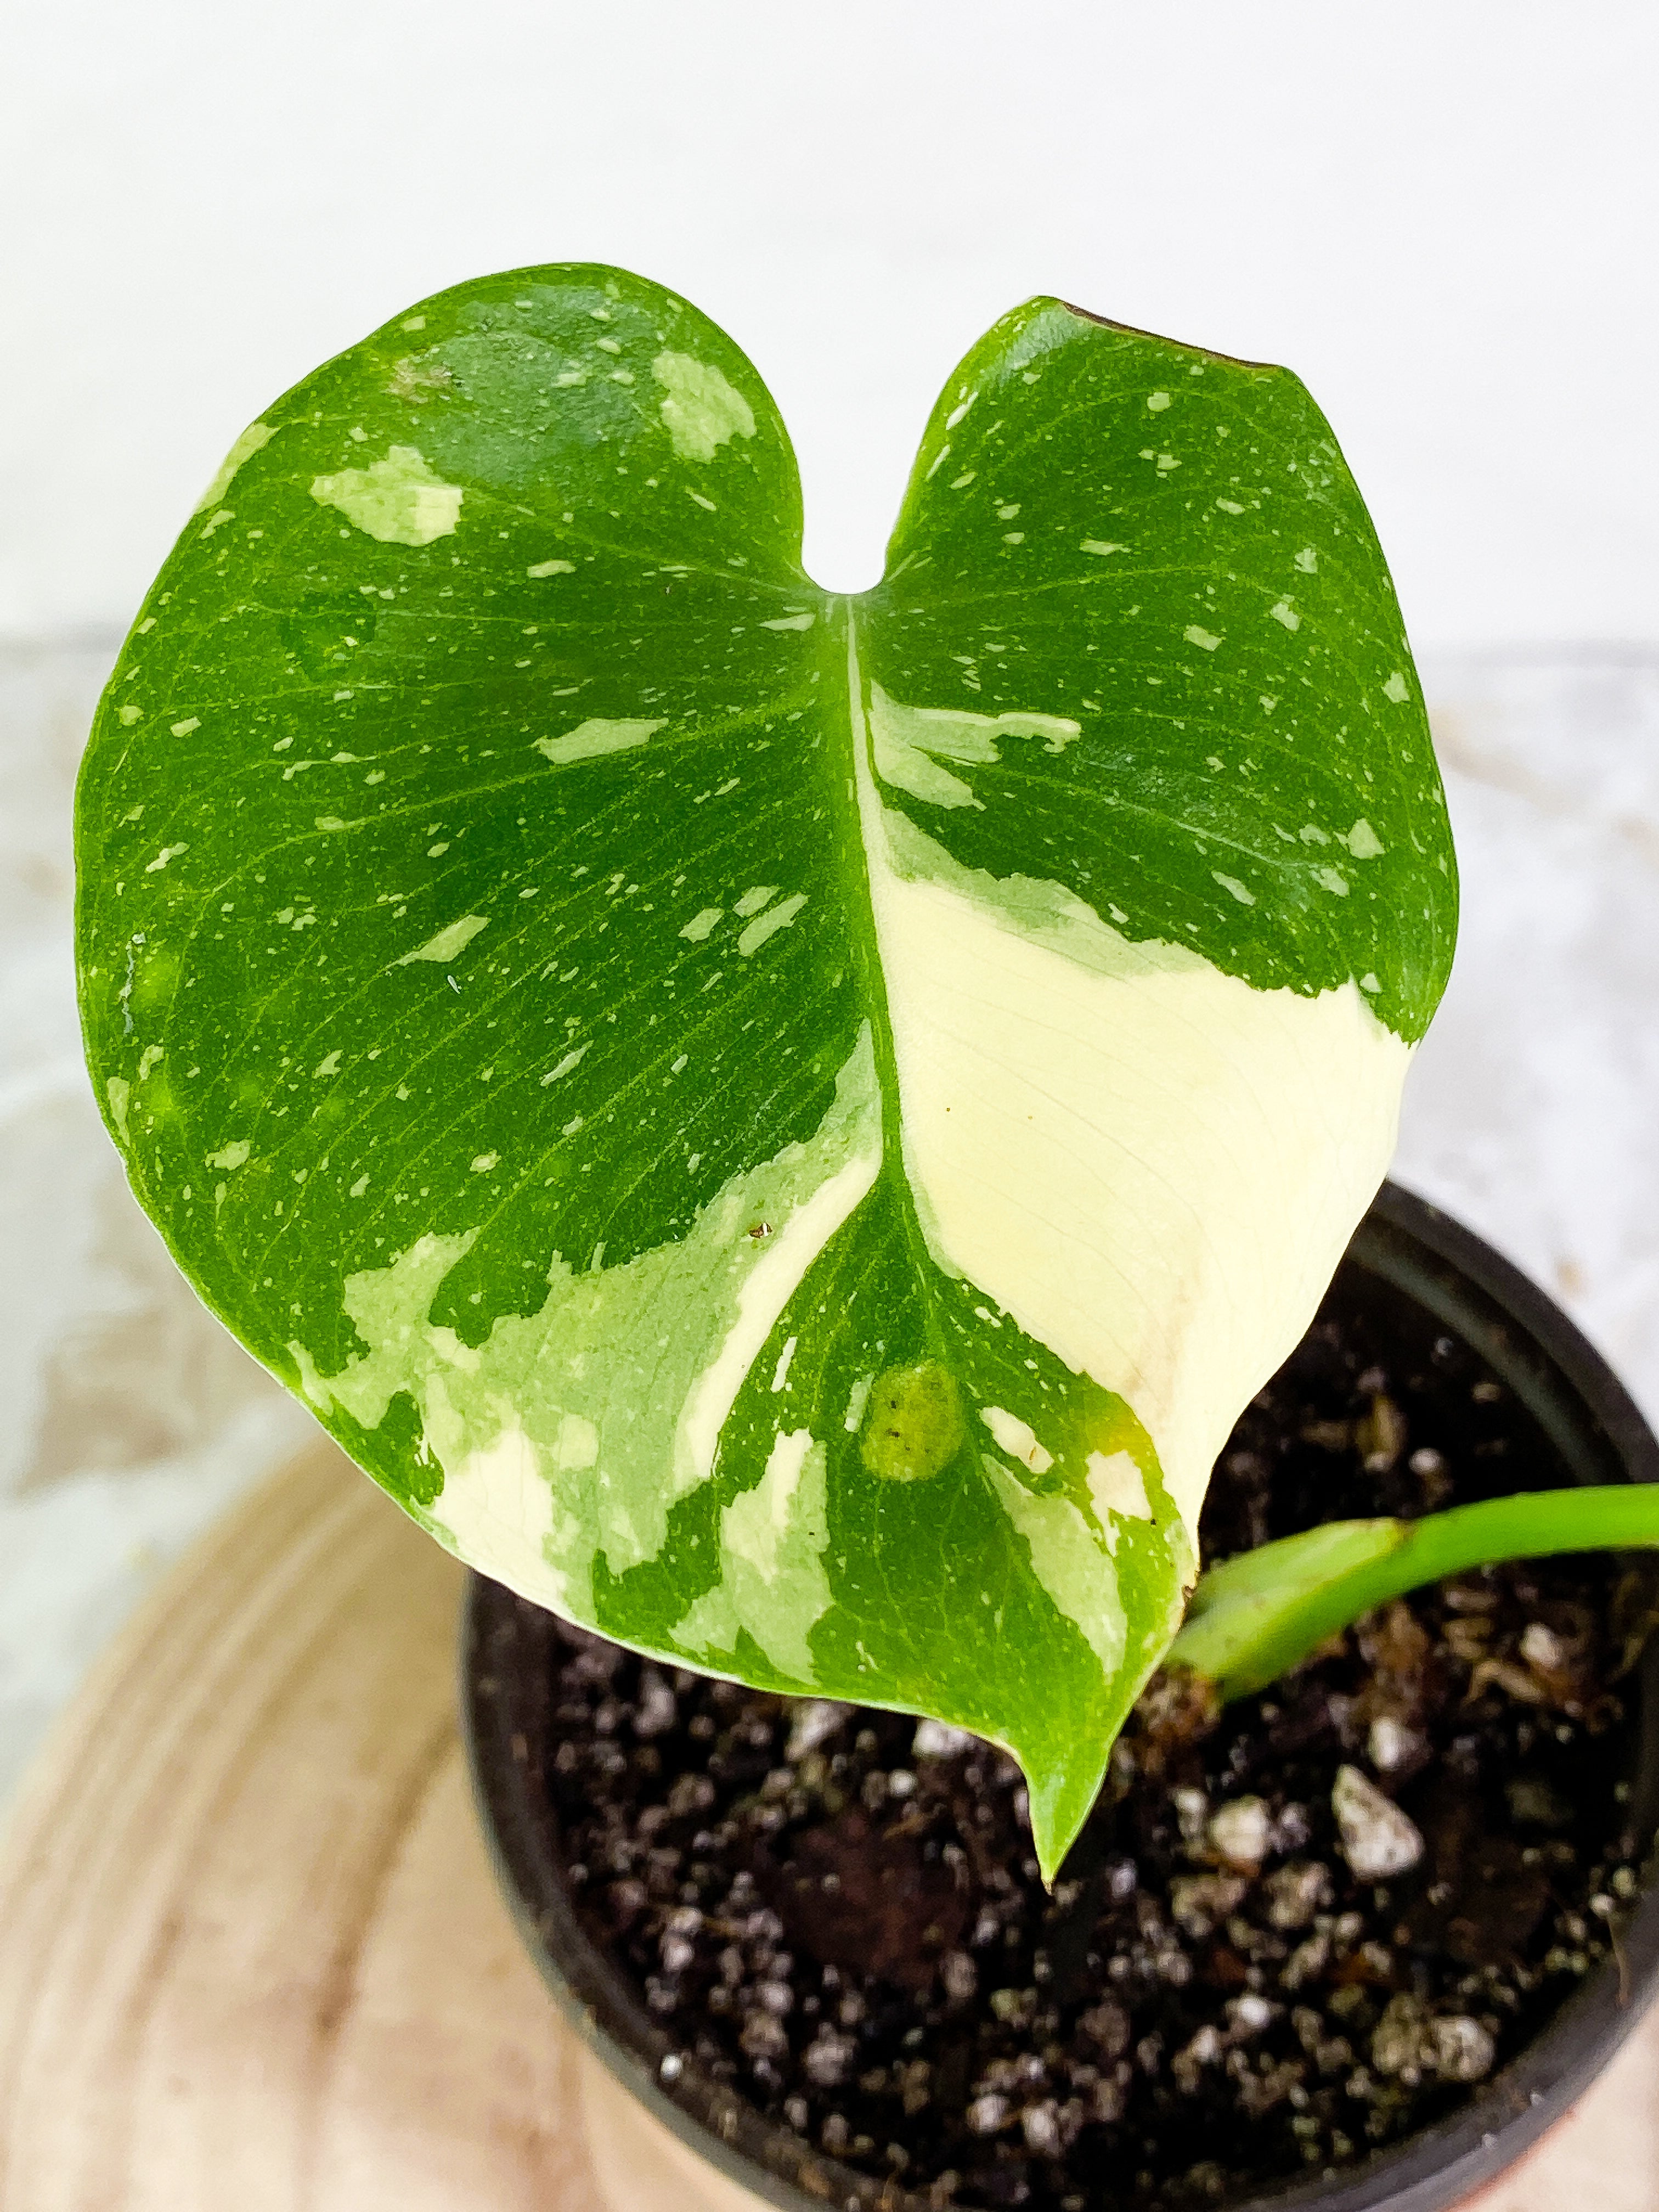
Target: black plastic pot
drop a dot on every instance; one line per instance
(1529, 1344)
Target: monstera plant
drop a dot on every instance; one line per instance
(784, 1128)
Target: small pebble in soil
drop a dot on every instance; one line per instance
(1292, 1931)
(1242, 1832)
(1415, 2044)
(1377, 1840)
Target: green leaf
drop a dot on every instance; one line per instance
(785, 1127)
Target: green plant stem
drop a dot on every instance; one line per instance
(1254, 1616)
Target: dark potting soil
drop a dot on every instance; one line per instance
(1292, 1931)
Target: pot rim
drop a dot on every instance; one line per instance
(1524, 1336)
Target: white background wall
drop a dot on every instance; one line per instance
(1441, 212)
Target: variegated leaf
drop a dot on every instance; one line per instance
(785, 1127)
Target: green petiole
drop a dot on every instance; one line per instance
(1254, 1617)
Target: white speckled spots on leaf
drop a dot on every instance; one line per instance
(118, 1092)
(1117, 1485)
(398, 501)
(858, 1399)
(1016, 1439)
(230, 1157)
(768, 924)
(448, 941)
(592, 740)
(572, 1059)
(700, 410)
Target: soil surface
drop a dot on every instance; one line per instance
(1293, 1930)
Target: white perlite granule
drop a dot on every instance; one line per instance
(1241, 1830)
(1378, 1840)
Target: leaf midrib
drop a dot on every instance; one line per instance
(851, 795)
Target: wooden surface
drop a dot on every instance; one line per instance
(251, 1959)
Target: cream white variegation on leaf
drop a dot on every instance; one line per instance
(785, 1127)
